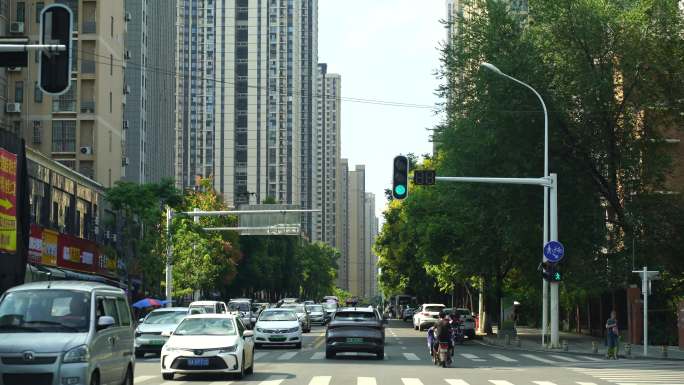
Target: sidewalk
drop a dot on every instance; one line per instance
(530, 339)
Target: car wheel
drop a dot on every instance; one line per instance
(415, 327)
(251, 367)
(128, 380)
(95, 379)
(167, 376)
(298, 345)
(139, 354)
(329, 353)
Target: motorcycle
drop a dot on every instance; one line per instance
(441, 355)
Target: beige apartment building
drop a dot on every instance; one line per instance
(82, 128)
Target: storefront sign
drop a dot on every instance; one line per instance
(8, 201)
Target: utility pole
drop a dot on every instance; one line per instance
(169, 258)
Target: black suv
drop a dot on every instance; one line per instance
(355, 329)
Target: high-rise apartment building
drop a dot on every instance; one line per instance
(83, 127)
(356, 231)
(245, 98)
(342, 231)
(326, 159)
(149, 113)
(370, 261)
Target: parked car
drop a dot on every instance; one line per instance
(278, 326)
(56, 332)
(329, 308)
(243, 310)
(207, 307)
(302, 314)
(468, 320)
(408, 314)
(316, 314)
(427, 315)
(148, 334)
(209, 343)
(355, 330)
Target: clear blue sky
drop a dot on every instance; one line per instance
(386, 50)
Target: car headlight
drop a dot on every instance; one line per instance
(77, 354)
(260, 330)
(228, 349)
(293, 330)
(170, 348)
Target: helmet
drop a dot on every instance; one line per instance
(442, 314)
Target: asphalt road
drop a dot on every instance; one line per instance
(407, 363)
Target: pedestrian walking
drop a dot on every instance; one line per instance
(613, 335)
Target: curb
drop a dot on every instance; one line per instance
(574, 353)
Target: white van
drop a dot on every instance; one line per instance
(66, 332)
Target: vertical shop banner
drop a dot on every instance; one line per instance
(35, 252)
(50, 240)
(8, 201)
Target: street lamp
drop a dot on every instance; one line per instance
(554, 230)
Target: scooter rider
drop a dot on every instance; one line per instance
(443, 331)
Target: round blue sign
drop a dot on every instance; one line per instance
(554, 251)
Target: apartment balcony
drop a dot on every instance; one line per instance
(87, 106)
(88, 66)
(89, 27)
(64, 105)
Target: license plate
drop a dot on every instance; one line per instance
(198, 362)
(355, 340)
(277, 338)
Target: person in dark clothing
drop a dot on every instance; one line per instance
(443, 331)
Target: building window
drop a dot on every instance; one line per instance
(19, 91)
(21, 11)
(37, 94)
(63, 136)
(111, 26)
(39, 8)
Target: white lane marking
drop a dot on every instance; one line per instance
(544, 383)
(411, 356)
(287, 356)
(585, 383)
(544, 360)
(366, 381)
(472, 357)
(217, 383)
(648, 383)
(140, 379)
(500, 382)
(503, 358)
(403, 348)
(272, 381)
(318, 356)
(565, 358)
(592, 359)
(320, 380)
(411, 381)
(455, 382)
(258, 355)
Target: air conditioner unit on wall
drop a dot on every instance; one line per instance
(128, 16)
(125, 124)
(17, 27)
(13, 107)
(86, 150)
(14, 69)
(124, 161)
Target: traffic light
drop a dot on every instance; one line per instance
(551, 272)
(400, 177)
(424, 177)
(56, 24)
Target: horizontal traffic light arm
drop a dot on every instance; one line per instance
(529, 181)
(32, 47)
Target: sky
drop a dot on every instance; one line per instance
(384, 50)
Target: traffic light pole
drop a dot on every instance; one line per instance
(549, 183)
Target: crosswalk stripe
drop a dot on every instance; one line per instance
(544, 360)
(648, 382)
(455, 382)
(411, 356)
(472, 357)
(366, 381)
(258, 355)
(565, 358)
(220, 383)
(503, 358)
(320, 380)
(585, 383)
(543, 382)
(591, 358)
(140, 379)
(273, 381)
(287, 356)
(500, 382)
(411, 381)
(318, 356)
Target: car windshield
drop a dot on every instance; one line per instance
(45, 311)
(355, 316)
(160, 317)
(330, 306)
(239, 306)
(201, 309)
(297, 308)
(434, 309)
(278, 315)
(205, 327)
(317, 308)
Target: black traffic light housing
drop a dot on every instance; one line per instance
(424, 177)
(400, 177)
(551, 272)
(56, 26)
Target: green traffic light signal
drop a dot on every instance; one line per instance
(400, 177)
(557, 276)
(400, 189)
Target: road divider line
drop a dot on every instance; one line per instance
(544, 360)
(411, 356)
(140, 379)
(472, 357)
(318, 356)
(591, 358)
(503, 358)
(412, 381)
(258, 355)
(319, 342)
(320, 380)
(564, 358)
(366, 381)
(287, 356)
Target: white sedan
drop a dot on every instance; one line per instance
(427, 315)
(279, 326)
(208, 343)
